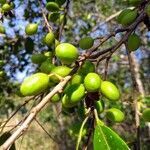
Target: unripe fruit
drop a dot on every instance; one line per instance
(92, 82)
(146, 115)
(56, 43)
(38, 58)
(73, 95)
(110, 91)
(76, 79)
(128, 17)
(55, 98)
(86, 43)
(53, 17)
(147, 10)
(99, 105)
(2, 29)
(47, 67)
(49, 39)
(87, 67)
(34, 84)
(31, 28)
(62, 71)
(67, 53)
(115, 115)
(134, 2)
(2, 1)
(2, 74)
(49, 55)
(6, 7)
(52, 6)
(133, 42)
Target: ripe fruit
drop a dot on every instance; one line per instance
(67, 53)
(134, 2)
(86, 43)
(133, 42)
(127, 17)
(52, 6)
(99, 105)
(38, 58)
(6, 7)
(47, 66)
(110, 91)
(115, 115)
(2, 29)
(31, 28)
(73, 95)
(146, 115)
(147, 9)
(62, 71)
(34, 84)
(76, 79)
(49, 39)
(87, 67)
(55, 98)
(92, 82)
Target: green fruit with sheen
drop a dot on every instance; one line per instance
(2, 1)
(77, 79)
(2, 29)
(134, 2)
(146, 115)
(49, 39)
(92, 82)
(86, 68)
(99, 105)
(67, 53)
(47, 66)
(147, 10)
(86, 42)
(133, 42)
(61, 71)
(31, 28)
(52, 6)
(34, 84)
(38, 58)
(115, 115)
(55, 98)
(6, 7)
(110, 91)
(74, 94)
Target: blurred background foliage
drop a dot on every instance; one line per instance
(85, 17)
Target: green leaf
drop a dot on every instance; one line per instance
(107, 139)
(4, 137)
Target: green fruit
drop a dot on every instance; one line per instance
(49, 55)
(75, 128)
(47, 67)
(99, 105)
(73, 95)
(115, 115)
(86, 43)
(2, 1)
(31, 28)
(49, 39)
(110, 91)
(56, 43)
(52, 6)
(122, 14)
(53, 17)
(146, 115)
(34, 84)
(38, 58)
(61, 71)
(134, 2)
(60, 2)
(133, 42)
(76, 79)
(2, 29)
(86, 68)
(147, 10)
(62, 19)
(67, 53)
(92, 82)
(55, 98)
(2, 74)
(6, 7)
(128, 18)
